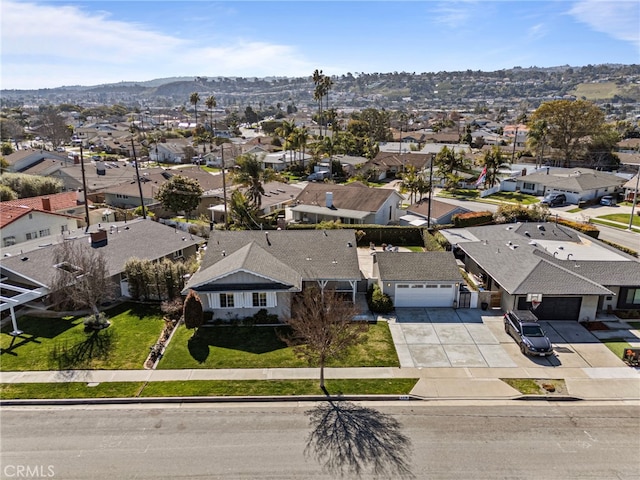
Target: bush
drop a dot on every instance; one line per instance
(585, 228)
(472, 218)
(193, 314)
(377, 301)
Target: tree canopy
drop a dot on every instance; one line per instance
(570, 125)
(179, 194)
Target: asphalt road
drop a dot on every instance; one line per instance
(278, 441)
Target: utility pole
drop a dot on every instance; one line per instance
(84, 188)
(430, 192)
(515, 140)
(635, 200)
(224, 189)
(135, 161)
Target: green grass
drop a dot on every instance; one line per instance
(531, 386)
(415, 249)
(526, 386)
(621, 218)
(460, 193)
(619, 226)
(262, 347)
(62, 343)
(574, 210)
(513, 197)
(391, 386)
(204, 388)
(617, 346)
(69, 390)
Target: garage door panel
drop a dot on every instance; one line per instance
(424, 295)
(555, 308)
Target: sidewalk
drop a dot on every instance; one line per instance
(621, 383)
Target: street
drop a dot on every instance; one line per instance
(563, 440)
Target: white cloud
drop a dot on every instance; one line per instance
(618, 19)
(452, 14)
(50, 45)
(537, 31)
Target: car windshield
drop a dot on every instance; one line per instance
(532, 331)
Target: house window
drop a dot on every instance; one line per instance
(31, 235)
(528, 186)
(629, 298)
(259, 299)
(178, 254)
(8, 241)
(226, 300)
(45, 232)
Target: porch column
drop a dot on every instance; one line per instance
(14, 323)
(353, 284)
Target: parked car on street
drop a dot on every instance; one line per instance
(608, 200)
(523, 326)
(554, 199)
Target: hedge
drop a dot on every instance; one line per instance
(377, 234)
(585, 228)
(472, 218)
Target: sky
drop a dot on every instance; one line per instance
(47, 44)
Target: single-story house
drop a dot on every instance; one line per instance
(441, 213)
(23, 160)
(36, 218)
(27, 270)
(418, 279)
(574, 276)
(243, 272)
(631, 188)
(578, 184)
(354, 203)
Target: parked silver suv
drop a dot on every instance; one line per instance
(523, 326)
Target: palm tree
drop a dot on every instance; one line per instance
(493, 161)
(448, 164)
(327, 83)
(242, 212)
(250, 174)
(285, 130)
(409, 182)
(318, 93)
(537, 139)
(194, 98)
(211, 103)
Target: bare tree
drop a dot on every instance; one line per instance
(323, 327)
(81, 276)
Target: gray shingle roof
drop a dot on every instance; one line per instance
(250, 258)
(574, 179)
(312, 254)
(418, 266)
(524, 258)
(144, 239)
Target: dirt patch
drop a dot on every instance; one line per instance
(551, 386)
(595, 326)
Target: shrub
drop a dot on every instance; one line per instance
(472, 218)
(193, 314)
(377, 301)
(585, 228)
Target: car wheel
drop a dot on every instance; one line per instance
(522, 349)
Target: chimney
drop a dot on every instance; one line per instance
(46, 204)
(329, 199)
(99, 238)
(76, 159)
(80, 197)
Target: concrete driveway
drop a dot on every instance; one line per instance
(444, 337)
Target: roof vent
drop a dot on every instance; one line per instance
(527, 234)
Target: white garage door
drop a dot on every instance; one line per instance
(424, 295)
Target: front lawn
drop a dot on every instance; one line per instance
(262, 347)
(62, 343)
(621, 218)
(617, 346)
(513, 197)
